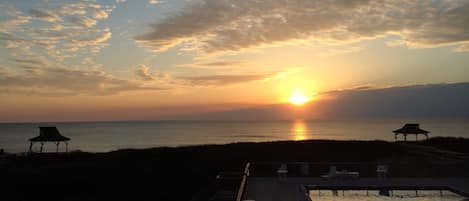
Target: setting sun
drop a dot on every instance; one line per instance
(298, 98)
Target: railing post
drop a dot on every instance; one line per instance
(305, 193)
(242, 187)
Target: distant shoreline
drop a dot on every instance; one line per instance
(438, 141)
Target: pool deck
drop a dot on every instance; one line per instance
(292, 189)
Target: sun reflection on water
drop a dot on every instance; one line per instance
(299, 130)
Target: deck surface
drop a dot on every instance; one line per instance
(288, 189)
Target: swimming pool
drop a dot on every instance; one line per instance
(374, 195)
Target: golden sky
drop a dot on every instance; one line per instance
(117, 59)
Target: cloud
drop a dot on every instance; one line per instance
(143, 72)
(61, 50)
(99, 13)
(222, 80)
(399, 102)
(72, 9)
(30, 61)
(214, 26)
(83, 21)
(71, 34)
(94, 10)
(447, 100)
(104, 36)
(154, 1)
(463, 48)
(215, 64)
(10, 41)
(341, 50)
(44, 15)
(16, 19)
(65, 81)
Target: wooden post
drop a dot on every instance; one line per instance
(66, 146)
(304, 169)
(405, 137)
(57, 144)
(42, 145)
(335, 193)
(31, 147)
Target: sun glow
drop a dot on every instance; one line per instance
(299, 130)
(298, 98)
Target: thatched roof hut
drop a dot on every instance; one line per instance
(49, 134)
(410, 129)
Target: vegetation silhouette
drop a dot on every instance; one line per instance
(189, 173)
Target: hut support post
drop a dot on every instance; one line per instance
(405, 137)
(416, 137)
(57, 144)
(30, 147)
(42, 146)
(66, 146)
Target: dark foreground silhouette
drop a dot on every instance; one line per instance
(189, 173)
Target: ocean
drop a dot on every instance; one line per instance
(108, 136)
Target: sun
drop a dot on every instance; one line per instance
(298, 98)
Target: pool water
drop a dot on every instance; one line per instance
(373, 195)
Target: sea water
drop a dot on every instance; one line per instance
(107, 136)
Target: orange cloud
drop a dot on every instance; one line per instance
(231, 25)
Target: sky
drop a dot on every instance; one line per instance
(159, 59)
